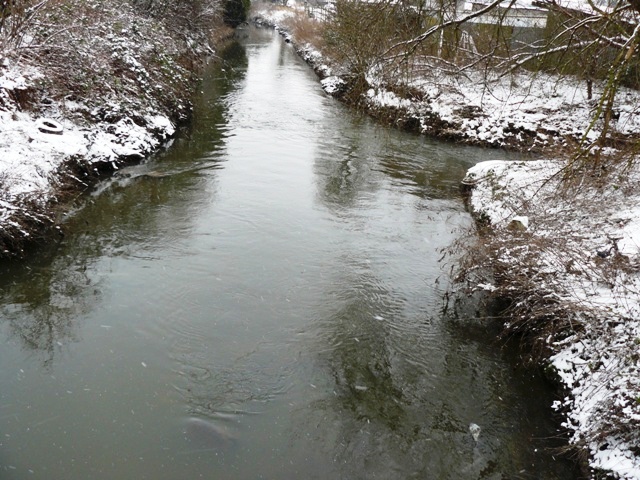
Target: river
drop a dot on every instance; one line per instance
(263, 300)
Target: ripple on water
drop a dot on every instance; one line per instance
(209, 435)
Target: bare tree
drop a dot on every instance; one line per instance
(584, 39)
(16, 16)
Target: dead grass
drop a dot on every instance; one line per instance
(511, 264)
(306, 30)
(220, 34)
(531, 268)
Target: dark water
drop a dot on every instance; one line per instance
(263, 301)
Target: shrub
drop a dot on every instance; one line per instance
(235, 12)
(360, 33)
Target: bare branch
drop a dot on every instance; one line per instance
(414, 42)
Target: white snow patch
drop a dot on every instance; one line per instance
(30, 158)
(332, 84)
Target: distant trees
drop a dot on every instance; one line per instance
(194, 14)
(235, 12)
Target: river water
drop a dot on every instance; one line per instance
(263, 300)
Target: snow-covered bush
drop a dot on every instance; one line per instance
(184, 14)
(98, 50)
(14, 20)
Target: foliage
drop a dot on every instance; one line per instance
(15, 18)
(306, 30)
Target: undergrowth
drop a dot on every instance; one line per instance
(124, 69)
(103, 52)
(568, 290)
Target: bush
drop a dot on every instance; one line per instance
(140, 54)
(359, 35)
(235, 12)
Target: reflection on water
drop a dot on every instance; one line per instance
(263, 300)
(43, 313)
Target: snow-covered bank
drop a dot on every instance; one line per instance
(78, 102)
(520, 111)
(46, 152)
(40, 153)
(568, 257)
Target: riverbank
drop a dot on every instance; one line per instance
(84, 91)
(569, 265)
(566, 262)
(535, 113)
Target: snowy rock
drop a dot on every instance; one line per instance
(333, 85)
(519, 223)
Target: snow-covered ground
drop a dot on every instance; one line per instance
(521, 109)
(575, 247)
(33, 149)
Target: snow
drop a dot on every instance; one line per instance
(501, 111)
(278, 16)
(384, 98)
(332, 84)
(30, 159)
(275, 16)
(599, 362)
